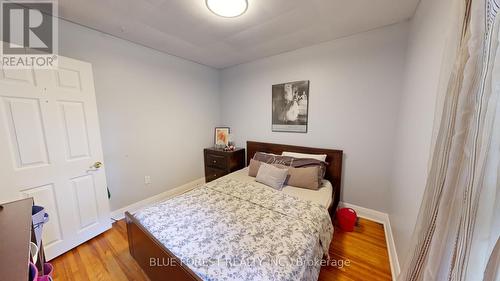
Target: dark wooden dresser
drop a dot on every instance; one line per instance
(219, 163)
(16, 232)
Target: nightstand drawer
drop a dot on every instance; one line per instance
(216, 161)
(212, 174)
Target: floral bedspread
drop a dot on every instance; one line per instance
(230, 230)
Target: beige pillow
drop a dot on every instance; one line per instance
(272, 176)
(253, 168)
(304, 177)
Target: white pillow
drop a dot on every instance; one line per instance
(320, 157)
(271, 176)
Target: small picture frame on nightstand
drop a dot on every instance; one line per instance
(222, 137)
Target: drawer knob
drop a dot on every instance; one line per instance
(215, 161)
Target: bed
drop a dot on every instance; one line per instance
(238, 229)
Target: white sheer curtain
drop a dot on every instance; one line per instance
(459, 220)
(487, 225)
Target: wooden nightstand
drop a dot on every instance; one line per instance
(219, 163)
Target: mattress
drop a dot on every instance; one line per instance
(322, 196)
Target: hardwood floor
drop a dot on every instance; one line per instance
(106, 257)
(366, 250)
(103, 258)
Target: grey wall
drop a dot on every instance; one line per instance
(157, 112)
(428, 61)
(355, 86)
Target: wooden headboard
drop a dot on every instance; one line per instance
(333, 158)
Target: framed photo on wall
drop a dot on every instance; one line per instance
(222, 136)
(290, 107)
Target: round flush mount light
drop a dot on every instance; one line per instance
(227, 8)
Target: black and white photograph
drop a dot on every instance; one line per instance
(290, 107)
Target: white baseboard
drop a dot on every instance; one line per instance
(120, 213)
(382, 218)
(391, 246)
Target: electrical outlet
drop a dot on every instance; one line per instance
(147, 179)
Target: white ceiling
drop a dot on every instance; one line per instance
(186, 28)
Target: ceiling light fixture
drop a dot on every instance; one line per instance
(227, 8)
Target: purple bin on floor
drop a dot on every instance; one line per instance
(33, 273)
(48, 270)
(40, 217)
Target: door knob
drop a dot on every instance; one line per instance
(97, 165)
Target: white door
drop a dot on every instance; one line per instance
(49, 141)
